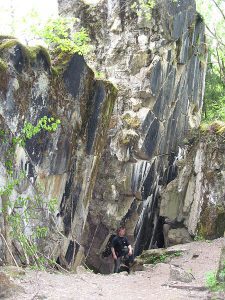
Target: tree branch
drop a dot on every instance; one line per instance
(9, 250)
(214, 35)
(222, 75)
(217, 5)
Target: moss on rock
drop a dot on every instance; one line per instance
(29, 53)
(3, 75)
(34, 51)
(8, 37)
(128, 137)
(8, 43)
(212, 222)
(3, 65)
(11, 43)
(60, 64)
(131, 121)
(213, 127)
(154, 256)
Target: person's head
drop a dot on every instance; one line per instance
(121, 231)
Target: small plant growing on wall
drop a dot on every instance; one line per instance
(144, 8)
(20, 215)
(59, 36)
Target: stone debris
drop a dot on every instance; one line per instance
(152, 283)
(179, 274)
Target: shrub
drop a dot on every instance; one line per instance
(59, 36)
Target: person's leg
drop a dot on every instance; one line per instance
(131, 259)
(128, 261)
(117, 263)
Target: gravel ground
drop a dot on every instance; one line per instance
(153, 283)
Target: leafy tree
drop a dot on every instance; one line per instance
(214, 102)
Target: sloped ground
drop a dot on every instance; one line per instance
(153, 283)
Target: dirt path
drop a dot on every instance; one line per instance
(153, 283)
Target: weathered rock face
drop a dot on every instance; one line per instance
(196, 198)
(157, 60)
(63, 163)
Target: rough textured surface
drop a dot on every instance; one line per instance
(196, 197)
(154, 256)
(7, 287)
(178, 274)
(158, 65)
(63, 164)
(178, 236)
(153, 283)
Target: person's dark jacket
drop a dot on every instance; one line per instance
(120, 244)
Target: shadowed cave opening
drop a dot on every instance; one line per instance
(149, 235)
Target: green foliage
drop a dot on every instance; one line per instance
(41, 232)
(8, 188)
(29, 130)
(24, 210)
(212, 283)
(2, 133)
(52, 205)
(32, 53)
(58, 35)
(45, 123)
(214, 100)
(199, 238)
(216, 282)
(144, 8)
(155, 258)
(215, 127)
(99, 75)
(178, 253)
(3, 65)
(8, 44)
(221, 274)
